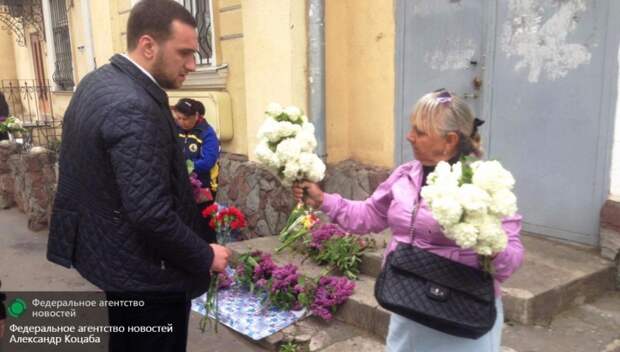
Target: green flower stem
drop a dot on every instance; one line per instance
(211, 304)
(292, 239)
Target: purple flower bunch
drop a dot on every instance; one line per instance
(323, 233)
(253, 269)
(196, 184)
(224, 281)
(264, 269)
(286, 289)
(330, 292)
(284, 278)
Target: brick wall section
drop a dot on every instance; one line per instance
(610, 233)
(34, 179)
(28, 180)
(267, 203)
(7, 187)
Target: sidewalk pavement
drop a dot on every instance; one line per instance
(591, 327)
(24, 267)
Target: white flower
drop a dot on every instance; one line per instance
(266, 156)
(491, 176)
(503, 203)
(473, 199)
(306, 140)
(293, 112)
(274, 109)
(312, 166)
(269, 130)
(464, 234)
(447, 211)
(457, 171)
(443, 176)
(288, 149)
(499, 244)
(307, 127)
(490, 228)
(291, 171)
(287, 129)
(483, 249)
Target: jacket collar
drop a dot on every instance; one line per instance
(123, 64)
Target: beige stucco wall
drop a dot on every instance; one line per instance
(275, 51)
(230, 51)
(7, 64)
(360, 80)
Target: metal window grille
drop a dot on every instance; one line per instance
(201, 10)
(63, 67)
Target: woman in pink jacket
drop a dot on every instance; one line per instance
(443, 129)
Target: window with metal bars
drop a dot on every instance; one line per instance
(63, 66)
(202, 10)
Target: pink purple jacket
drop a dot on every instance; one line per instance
(391, 205)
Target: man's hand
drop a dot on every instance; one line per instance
(221, 255)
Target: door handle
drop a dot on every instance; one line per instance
(477, 83)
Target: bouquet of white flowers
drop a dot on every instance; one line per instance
(286, 145)
(469, 200)
(12, 125)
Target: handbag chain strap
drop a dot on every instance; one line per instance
(414, 212)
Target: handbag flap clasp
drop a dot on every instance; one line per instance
(437, 292)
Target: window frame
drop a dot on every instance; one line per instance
(51, 48)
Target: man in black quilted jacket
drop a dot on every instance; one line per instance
(124, 214)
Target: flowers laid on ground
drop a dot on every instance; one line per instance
(325, 243)
(11, 125)
(286, 289)
(469, 200)
(286, 145)
(328, 244)
(227, 222)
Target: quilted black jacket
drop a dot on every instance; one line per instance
(124, 214)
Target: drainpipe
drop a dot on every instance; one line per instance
(88, 26)
(316, 71)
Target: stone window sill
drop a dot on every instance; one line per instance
(207, 77)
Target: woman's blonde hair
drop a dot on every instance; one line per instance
(441, 112)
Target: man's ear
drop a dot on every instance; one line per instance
(148, 46)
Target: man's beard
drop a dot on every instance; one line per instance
(159, 73)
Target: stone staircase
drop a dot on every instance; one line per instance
(554, 277)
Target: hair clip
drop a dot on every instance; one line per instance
(477, 123)
(444, 97)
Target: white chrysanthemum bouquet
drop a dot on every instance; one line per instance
(286, 145)
(469, 200)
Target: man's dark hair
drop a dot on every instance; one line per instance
(154, 17)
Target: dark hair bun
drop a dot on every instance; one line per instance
(187, 106)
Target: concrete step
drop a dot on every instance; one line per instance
(361, 310)
(554, 277)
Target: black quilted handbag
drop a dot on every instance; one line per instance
(437, 292)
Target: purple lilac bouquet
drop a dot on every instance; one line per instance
(282, 293)
(330, 292)
(286, 289)
(320, 234)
